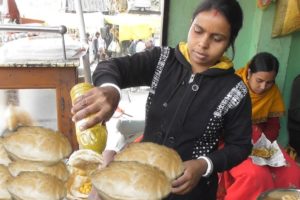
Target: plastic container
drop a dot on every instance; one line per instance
(95, 137)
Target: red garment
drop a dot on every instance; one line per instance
(247, 180)
(270, 128)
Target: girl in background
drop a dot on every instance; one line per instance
(248, 180)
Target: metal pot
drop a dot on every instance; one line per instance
(280, 194)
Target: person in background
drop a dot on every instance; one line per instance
(131, 48)
(108, 37)
(294, 119)
(149, 44)
(88, 37)
(95, 47)
(248, 179)
(195, 99)
(101, 48)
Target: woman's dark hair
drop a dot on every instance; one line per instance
(264, 62)
(232, 11)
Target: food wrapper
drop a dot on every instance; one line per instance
(265, 152)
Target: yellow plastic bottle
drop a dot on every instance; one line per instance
(95, 137)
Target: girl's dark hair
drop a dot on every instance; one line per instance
(264, 62)
(232, 11)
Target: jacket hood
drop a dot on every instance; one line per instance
(223, 67)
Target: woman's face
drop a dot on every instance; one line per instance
(260, 82)
(208, 38)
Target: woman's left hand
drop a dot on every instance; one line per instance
(108, 157)
(194, 169)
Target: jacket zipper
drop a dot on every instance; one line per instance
(192, 78)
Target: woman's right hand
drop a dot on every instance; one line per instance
(98, 104)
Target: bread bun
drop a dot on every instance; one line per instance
(130, 181)
(4, 177)
(36, 186)
(165, 158)
(85, 159)
(4, 159)
(37, 144)
(58, 170)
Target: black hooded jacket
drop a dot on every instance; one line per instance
(188, 112)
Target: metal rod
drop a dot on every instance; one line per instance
(49, 29)
(52, 29)
(85, 58)
(64, 46)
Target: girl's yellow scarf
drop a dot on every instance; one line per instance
(266, 105)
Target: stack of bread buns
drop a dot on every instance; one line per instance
(5, 176)
(4, 159)
(81, 164)
(140, 171)
(37, 166)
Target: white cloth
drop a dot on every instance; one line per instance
(140, 46)
(101, 44)
(123, 129)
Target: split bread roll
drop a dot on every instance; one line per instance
(81, 163)
(130, 181)
(78, 187)
(4, 159)
(162, 157)
(85, 160)
(58, 170)
(37, 144)
(36, 186)
(4, 177)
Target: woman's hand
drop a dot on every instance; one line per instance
(194, 169)
(93, 195)
(98, 104)
(108, 156)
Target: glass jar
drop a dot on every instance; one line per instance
(93, 138)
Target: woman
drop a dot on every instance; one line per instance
(249, 180)
(195, 98)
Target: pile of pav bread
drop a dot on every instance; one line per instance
(38, 163)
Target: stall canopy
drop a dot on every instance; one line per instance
(133, 26)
